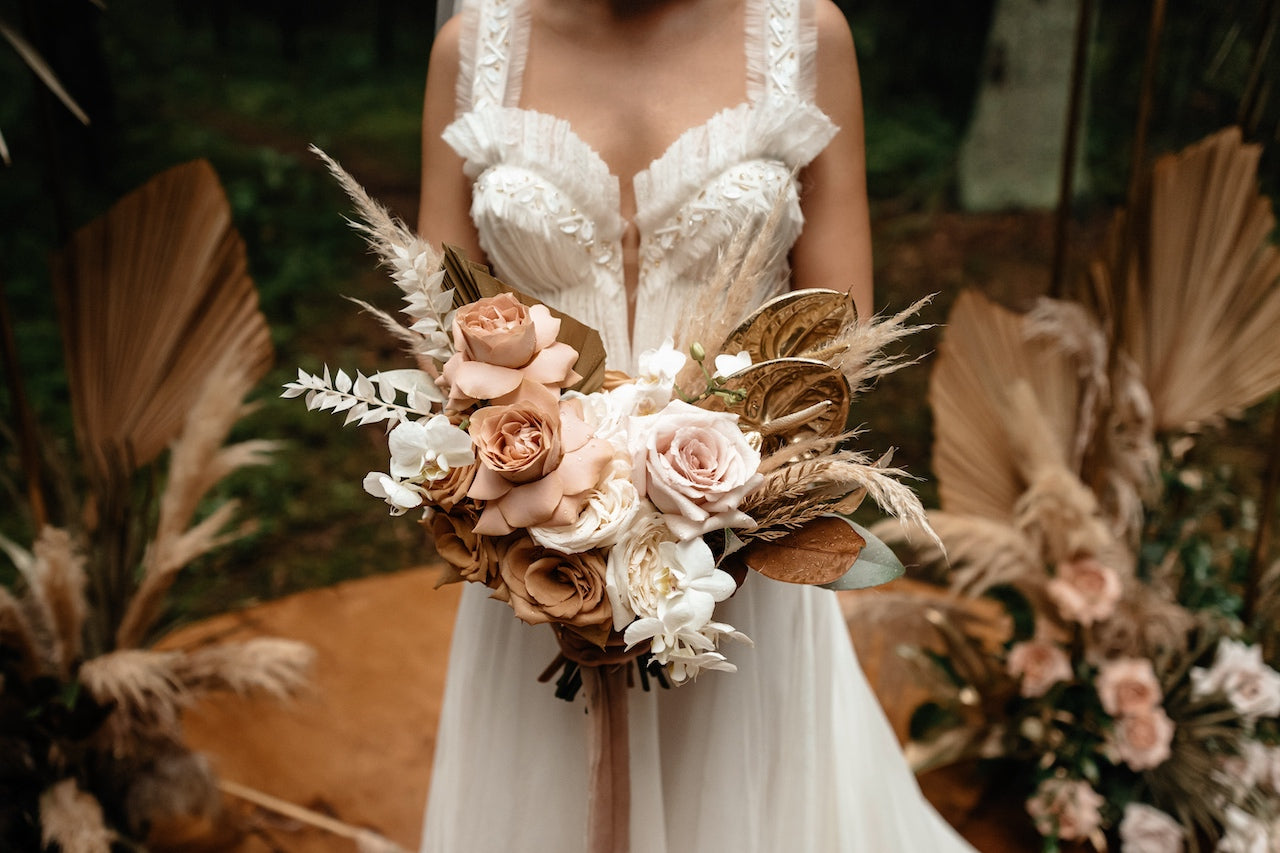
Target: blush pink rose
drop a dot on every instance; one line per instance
(1128, 686)
(536, 465)
(1039, 664)
(505, 349)
(1142, 740)
(1069, 806)
(695, 466)
(1085, 590)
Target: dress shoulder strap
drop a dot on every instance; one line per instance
(492, 51)
(782, 46)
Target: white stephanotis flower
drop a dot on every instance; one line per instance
(727, 365)
(609, 512)
(399, 496)
(428, 450)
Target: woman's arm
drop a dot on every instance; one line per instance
(834, 250)
(444, 210)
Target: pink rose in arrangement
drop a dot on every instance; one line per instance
(1144, 829)
(695, 466)
(1069, 806)
(537, 465)
(1142, 739)
(1085, 590)
(1040, 665)
(504, 348)
(1128, 686)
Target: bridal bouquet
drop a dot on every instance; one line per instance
(621, 510)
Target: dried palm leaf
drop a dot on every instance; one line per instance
(270, 666)
(152, 295)
(985, 350)
(72, 819)
(1202, 295)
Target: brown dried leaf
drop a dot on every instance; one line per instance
(818, 553)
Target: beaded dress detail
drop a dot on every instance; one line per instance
(790, 753)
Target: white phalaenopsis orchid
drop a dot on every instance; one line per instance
(428, 449)
(727, 365)
(399, 496)
(661, 366)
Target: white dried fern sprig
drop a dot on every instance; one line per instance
(415, 266)
(72, 820)
(263, 666)
(368, 399)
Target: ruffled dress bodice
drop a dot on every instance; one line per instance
(547, 208)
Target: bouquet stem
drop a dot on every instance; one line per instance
(609, 757)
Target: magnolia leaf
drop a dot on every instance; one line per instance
(821, 552)
(876, 564)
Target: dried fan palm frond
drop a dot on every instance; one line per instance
(151, 295)
(1201, 299)
(197, 461)
(270, 666)
(57, 581)
(72, 819)
(145, 691)
(985, 350)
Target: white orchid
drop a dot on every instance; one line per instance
(661, 366)
(399, 496)
(428, 449)
(727, 365)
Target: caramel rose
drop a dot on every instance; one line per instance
(568, 589)
(537, 465)
(473, 557)
(450, 490)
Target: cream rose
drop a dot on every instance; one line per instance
(608, 512)
(1039, 664)
(1144, 829)
(1142, 739)
(1127, 686)
(1085, 590)
(1068, 806)
(1238, 673)
(637, 577)
(504, 349)
(567, 589)
(695, 466)
(537, 465)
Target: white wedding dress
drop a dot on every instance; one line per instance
(790, 753)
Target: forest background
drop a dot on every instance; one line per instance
(248, 85)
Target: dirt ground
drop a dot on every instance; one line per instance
(358, 746)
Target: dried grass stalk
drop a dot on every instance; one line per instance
(146, 691)
(859, 350)
(270, 666)
(72, 819)
(17, 635)
(196, 463)
(57, 581)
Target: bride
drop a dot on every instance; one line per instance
(599, 154)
